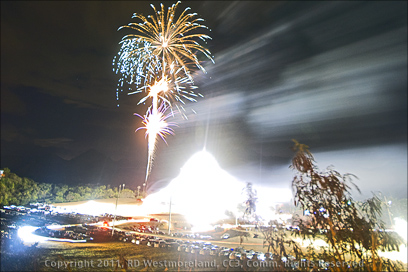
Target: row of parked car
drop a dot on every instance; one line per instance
(204, 248)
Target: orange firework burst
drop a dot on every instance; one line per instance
(174, 40)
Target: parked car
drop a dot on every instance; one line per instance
(188, 248)
(205, 251)
(214, 251)
(181, 247)
(260, 256)
(195, 250)
(235, 256)
(172, 245)
(249, 256)
(224, 252)
(225, 236)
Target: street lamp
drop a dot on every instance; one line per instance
(170, 215)
(116, 207)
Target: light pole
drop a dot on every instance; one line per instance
(116, 207)
(170, 215)
(388, 204)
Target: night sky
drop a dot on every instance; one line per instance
(332, 75)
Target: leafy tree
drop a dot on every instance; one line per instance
(15, 190)
(127, 193)
(353, 232)
(109, 193)
(72, 196)
(59, 192)
(44, 192)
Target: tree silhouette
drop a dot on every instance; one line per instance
(351, 231)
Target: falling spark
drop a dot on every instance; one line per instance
(132, 62)
(155, 125)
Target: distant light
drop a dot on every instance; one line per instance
(54, 227)
(401, 228)
(26, 234)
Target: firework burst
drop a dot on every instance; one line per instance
(164, 45)
(172, 37)
(155, 125)
(158, 59)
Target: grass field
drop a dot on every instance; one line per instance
(110, 256)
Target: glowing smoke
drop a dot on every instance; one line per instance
(202, 192)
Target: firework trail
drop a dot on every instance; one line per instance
(158, 59)
(155, 125)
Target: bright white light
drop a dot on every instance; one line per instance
(160, 86)
(401, 228)
(26, 234)
(316, 243)
(269, 198)
(95, 208)
(202, 192)
(55, 227)
(400, 255)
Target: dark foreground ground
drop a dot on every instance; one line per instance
(115, 256)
